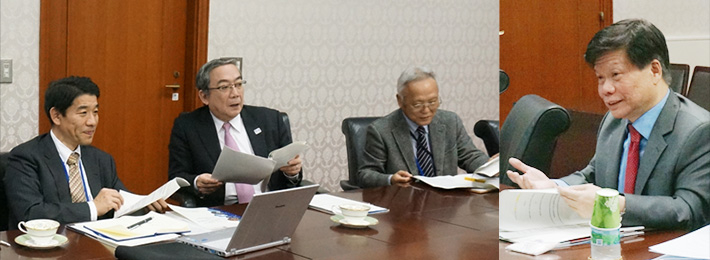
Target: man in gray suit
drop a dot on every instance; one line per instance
(653, 144)
(417, 138)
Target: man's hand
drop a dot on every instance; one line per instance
(293, 167)
(531, 179)
(206, 184)
(401, 178)
(158, 206)
(580, 198)
(106, 200)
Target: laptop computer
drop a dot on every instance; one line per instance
(269, 220)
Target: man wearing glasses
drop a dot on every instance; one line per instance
(417, 138)
(198, 137)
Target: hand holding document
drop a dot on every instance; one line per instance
(133, 202)
(233, 166)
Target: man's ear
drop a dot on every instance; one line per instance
(400, 100)
(54, 115)
(203, 97)
(657, 71)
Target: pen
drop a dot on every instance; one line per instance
(139, 223)
(474, 179)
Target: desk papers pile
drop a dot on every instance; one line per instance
(470, 181)
(233, 166)
(693, 245)
(114, 232)
(326, 202)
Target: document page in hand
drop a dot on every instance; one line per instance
(133, 202)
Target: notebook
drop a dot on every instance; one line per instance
(269, 220)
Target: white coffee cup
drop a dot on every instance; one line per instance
(41, 231)
(353, 213)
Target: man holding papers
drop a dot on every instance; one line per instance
(198, 137)
(417, 138)
(59, 175)
(653, 144)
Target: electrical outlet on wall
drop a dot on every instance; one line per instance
(5, 71)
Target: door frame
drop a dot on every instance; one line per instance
(53, 49)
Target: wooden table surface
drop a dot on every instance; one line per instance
(423, 223)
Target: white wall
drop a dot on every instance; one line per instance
(19, 41)
(686, 25)
(322, 61)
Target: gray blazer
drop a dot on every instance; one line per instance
(389, 148)
(37, 186)
(673, 182)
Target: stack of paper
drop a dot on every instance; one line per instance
(152, 227)
(470, 181)
(205, 219)
(693, 245)
(230, 166)
(326, 202)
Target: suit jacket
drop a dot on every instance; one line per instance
(673, 180)
(194, 146)
(37, 186)
(389, 148)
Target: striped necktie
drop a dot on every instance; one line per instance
(244, 191)
(426, 162)
(76, 184)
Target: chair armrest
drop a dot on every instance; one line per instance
(185, 198)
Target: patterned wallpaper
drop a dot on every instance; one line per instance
(322, 61)
(686, 25)
(19, 41)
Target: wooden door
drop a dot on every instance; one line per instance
(542, 50)
(132, 49)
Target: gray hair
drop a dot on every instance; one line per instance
(202, 81)
(413, 74)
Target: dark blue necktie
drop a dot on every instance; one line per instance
(426, 163)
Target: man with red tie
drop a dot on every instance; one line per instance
(653, 145)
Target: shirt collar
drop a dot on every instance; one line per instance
(413, 126)
(644, 124)
(236, 123)
(63, 150)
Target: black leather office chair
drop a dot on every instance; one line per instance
(488, 131)
(4, 210)
(355, 131)
(680, 73)
(503, 81)
(699, 89)
(188, 199)
(529, 133)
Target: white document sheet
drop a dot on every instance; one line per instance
(233, 166)
(133, 202)
(531, 209)
(326, 202)
(490, 168)
(460, 181)
(694, 245)
(204, 219)
(286, 153)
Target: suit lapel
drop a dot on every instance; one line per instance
(208, 134)
(437, 134)
(614, 146)
(656, 142)
(403, 138)
(56, 167)
(91, 167)
(256, 137)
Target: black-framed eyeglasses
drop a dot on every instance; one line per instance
(228, 87)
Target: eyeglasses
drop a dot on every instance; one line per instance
(228, 87)
(430, 104)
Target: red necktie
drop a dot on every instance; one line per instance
(632, 161)
(245, 192)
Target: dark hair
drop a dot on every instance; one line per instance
(642, 41)
(62, 92)
(202, 81)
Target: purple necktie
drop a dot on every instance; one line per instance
(244, 191)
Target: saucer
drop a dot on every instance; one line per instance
(368, 221)
(25, 240)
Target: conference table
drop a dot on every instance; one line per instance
(422, 223)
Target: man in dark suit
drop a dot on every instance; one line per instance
(198, 137)
(418, 138)
(653, 144)
(59, 175)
